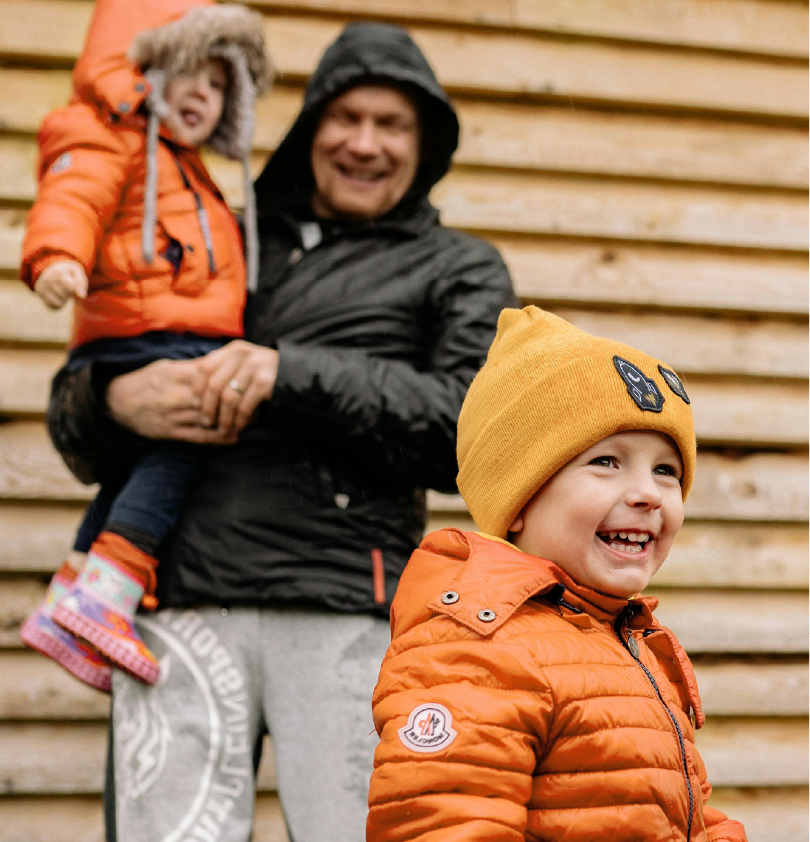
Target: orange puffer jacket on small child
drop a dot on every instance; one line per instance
(90, 204)
(515, 704)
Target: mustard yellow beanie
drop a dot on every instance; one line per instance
(547, 392)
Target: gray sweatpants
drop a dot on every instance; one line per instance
(183, 753)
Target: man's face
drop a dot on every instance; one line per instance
(365, 153)
(195, 102)
(609, 517)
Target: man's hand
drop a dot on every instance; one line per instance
(61, 281)
(162, 401)
(238, 378)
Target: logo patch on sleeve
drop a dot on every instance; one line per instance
(642, 389)
(674, 383)
(62, 163)
(429, 729)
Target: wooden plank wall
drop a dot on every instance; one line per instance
(642, 164)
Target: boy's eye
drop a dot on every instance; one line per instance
(604, 462)
(664, 470)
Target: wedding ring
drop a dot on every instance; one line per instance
(236, 387)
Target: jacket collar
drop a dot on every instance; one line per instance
(497, 578)
(493, 578)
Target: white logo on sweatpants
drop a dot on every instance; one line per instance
(144, 736)
(429, 728)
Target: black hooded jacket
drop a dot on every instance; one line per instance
(380, 328)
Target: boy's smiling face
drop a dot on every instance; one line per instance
(609, 516)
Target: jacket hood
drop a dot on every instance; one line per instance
(133, 48)
(364, 52)
(104, 75)
(486, 574)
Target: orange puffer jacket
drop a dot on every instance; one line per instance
(90, 202)
(509, 708)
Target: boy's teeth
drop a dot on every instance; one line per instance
(625, 548)
(622, 534)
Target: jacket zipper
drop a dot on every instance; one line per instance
(202, 217)
(634, 656)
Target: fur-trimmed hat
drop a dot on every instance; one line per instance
(547, 392)
(228, 32)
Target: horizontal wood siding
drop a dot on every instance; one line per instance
(643, 167)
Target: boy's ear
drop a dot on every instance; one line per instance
(517, 523)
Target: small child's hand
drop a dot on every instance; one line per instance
(60, 282)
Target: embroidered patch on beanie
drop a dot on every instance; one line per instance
(642, 389)
(674, 383)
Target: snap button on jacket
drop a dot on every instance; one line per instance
(551, 726)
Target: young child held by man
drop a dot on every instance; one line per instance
(529, 692)
(129, 224)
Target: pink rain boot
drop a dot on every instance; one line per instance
(101, 604)
(41, 633)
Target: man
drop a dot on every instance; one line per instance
(368, 325)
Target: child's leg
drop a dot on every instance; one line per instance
(151, 501)
(120, 570)
(95, 517)
(93, 522)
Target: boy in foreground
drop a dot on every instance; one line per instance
(529, 692)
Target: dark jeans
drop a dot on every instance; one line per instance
(145, 505)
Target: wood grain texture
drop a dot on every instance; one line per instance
(757, 486)
(514, 135)
(754, 752)
(745, 487)
(36, 538)
(19, 597)
(741, 688)
(25, 380)
(80, 819)
(35, 688)
(31, 469)
(714, 555)
(763, 810)
(579, 140)
(68, 759)
(582, 71)
(749, 414)
(24, 319)
(486, 62)
(742, 25)
(735, 621)
(654, 278)
(711, 555)
(553, 206)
